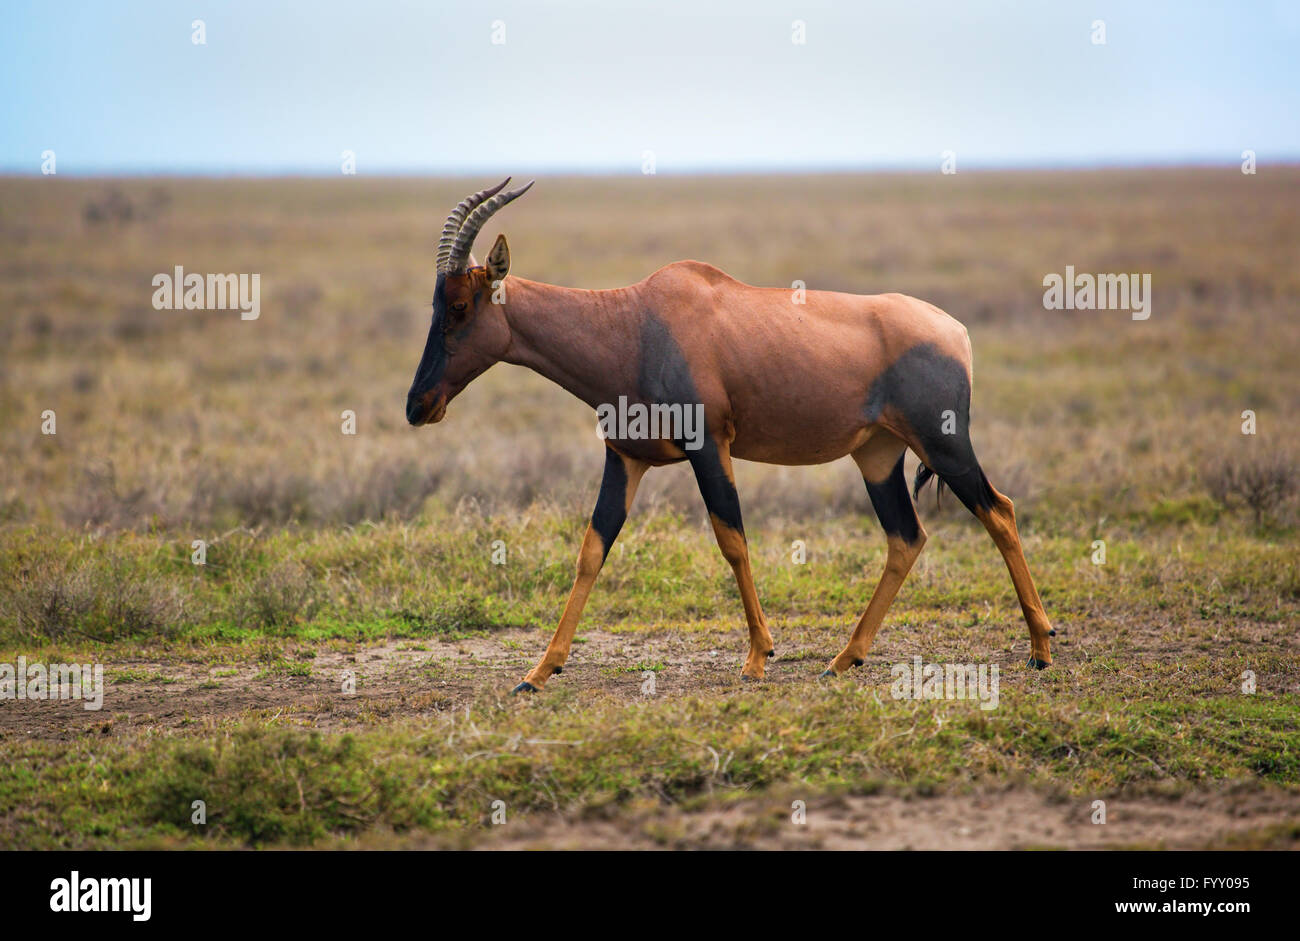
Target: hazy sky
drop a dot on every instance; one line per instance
(421, 87)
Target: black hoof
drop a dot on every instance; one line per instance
(1052, 632)
(557, 671)
(746, 678)
(1037, 664)
(771, 653)
(524, 687)
(858, 661)
(826, 673)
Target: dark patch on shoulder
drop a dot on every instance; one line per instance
(663, 378)
(663, 375)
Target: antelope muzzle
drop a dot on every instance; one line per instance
(426, 408)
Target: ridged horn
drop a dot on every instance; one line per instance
(469, 231)
(457, 219)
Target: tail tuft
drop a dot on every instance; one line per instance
(923, 475)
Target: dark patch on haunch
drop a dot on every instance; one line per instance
(920, 387)
(433, 363)
(893, 506)
(611, 506)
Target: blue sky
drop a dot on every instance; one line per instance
(419, 87)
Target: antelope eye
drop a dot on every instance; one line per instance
(459, 305)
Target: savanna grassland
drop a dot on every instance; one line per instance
(371, 555)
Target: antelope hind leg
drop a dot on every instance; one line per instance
(903, 533)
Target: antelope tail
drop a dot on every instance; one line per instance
(923, 475)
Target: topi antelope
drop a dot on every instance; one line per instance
(841, 374)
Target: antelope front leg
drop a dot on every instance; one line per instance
(617, 489)
(712, 466)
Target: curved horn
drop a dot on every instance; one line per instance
(465, 238)
(457, 218)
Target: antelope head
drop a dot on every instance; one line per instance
(469, 332)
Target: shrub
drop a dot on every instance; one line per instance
(278, 598)
(451, 616)
(1260, 483)
(102, 599)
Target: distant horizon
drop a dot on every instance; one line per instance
(1263, 165)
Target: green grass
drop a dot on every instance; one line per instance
(266, 784)
(140, 676)
(374, 585)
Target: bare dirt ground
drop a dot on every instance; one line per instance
(402, 679)
(393, 679)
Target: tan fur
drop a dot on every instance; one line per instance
(770, 370)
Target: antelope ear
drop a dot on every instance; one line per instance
(498, 260)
